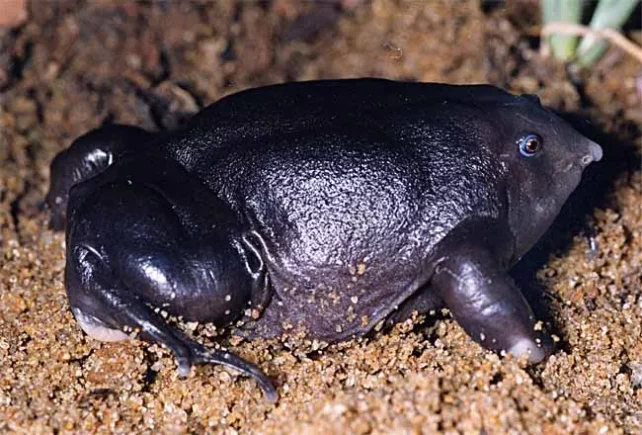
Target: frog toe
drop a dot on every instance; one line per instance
(203, 355)
(535, 350)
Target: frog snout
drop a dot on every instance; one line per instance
(594, 154)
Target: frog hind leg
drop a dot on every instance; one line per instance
(127, 253)
(86, 157)
(110, 313)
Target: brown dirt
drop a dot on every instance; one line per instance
(74, 65)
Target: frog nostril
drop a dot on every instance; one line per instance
(586, 160)
(594, 154)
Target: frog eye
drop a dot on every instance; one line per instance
(530, 144)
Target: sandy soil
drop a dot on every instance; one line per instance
(75, 65)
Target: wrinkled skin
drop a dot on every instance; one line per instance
(323, 207)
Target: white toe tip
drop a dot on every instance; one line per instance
(527, 347)
(183, 370)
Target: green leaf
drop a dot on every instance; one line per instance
(608, 14)
(565, 11)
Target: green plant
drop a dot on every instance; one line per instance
(562, 25)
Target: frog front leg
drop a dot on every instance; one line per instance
(473, 283)
(138, 246)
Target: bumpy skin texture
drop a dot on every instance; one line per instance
(323, 207)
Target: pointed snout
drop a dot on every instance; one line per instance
(596, 151)
(595, 154)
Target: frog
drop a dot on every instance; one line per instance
(327, 208)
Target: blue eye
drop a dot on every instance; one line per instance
(530, 144)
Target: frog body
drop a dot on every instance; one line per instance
(323, 208)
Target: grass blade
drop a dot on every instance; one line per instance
(565, 11)
(608, 14)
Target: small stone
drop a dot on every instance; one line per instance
(14, 13)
